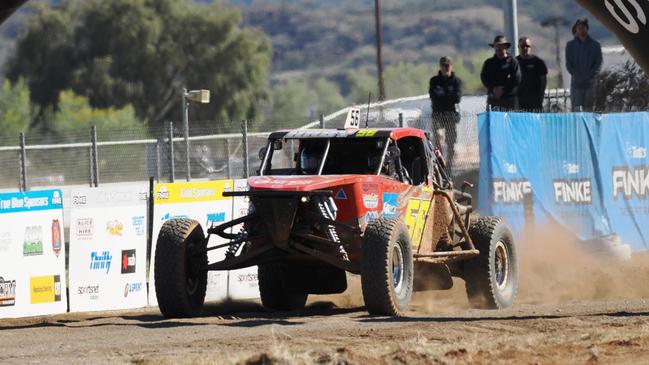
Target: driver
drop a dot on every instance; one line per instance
(311, 153)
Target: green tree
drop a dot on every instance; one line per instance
(75, 113)
(143, 53)
(15, 112)
(298, 102)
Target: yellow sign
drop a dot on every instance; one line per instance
(45, 289)
(188, 192)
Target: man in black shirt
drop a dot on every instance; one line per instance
(534, 72)
(501, 76)
(445, 91)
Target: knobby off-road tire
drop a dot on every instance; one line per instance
(275, 287)
(386, 267)
(180, 275)
(492, 277)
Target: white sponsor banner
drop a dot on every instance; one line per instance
(202, 201)
(32, 254)
(243, 283)
(107, 262)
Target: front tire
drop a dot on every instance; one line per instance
(387, 267)
(276, 289)
(492, 277)
(180, 274)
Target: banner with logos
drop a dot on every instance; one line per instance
(587, 172)
(204, 202)
(108, 241)
(243, 283)
(32, 254)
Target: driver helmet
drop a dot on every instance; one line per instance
(310, 157)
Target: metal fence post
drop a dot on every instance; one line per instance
(244, 129)
(23, 158)
(170, 136)
(322, 121)
(90, 167)
(157, 161)
(188, 175)
(400, 120)
(227, 154)
(95, 159)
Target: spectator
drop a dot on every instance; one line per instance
(534, 77)
(445, 92)
(583, 61)
(501, 76)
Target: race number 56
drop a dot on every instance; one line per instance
(353, 118)
(621, 12)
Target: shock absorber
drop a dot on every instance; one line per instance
(232, 249)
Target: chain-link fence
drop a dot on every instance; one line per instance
(220, 150)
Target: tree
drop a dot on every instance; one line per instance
(143, 53)
(298, 102)
(14, 111)
(75, 113)
(622, 89)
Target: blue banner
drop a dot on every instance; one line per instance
(587, 172)
(30, 201)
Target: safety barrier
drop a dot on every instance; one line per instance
(595, 183)
(32, 254)
(108, 239)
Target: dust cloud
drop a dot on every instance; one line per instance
(554, 268)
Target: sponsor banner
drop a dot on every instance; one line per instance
(108, 248)
(32, 254)
(243, 283)
(204, 202)
(586, 172)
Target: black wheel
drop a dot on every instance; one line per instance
(180, 275)
(276, 287)
(386, 267)
(492, 278)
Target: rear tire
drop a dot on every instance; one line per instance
(386, 267)
(275, 287)
(180, 276)
(492, 277)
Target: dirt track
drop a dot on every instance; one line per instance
(570, 309)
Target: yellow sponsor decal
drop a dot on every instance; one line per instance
(366, 133)
(45, 289)
(187, 192)
(416, 219)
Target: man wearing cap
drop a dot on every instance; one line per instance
(583, 61)
(445, 91)
(534, 77)
(501, 76)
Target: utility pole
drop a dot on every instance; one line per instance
(379, 43)
(511, 23)
(557, 22)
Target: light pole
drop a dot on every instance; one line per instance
(556, 22)
(511, 23)
(196, 96)
(379, 43)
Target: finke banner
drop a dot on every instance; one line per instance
(108, 239)
(586, 172)
(32, 254)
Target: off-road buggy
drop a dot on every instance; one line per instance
(374, 202)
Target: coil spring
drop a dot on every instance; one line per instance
(232, 249)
